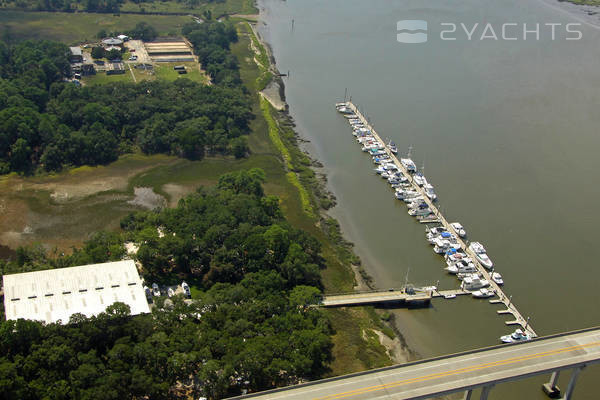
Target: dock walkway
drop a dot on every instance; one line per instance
(512, 309)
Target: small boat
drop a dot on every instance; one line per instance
(459, 229)
(409, 164)
(345, 110)
(431, 218)
(419, 179)
(473, 282)
(481, 254)
(429, 191)
(515, 337)
(402, 194)
(483, 293)
(419, 211)
(496, 277)
(449, 296)
(393, 148)
(431, 237)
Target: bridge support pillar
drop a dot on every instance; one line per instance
(485, 392)
(468, 394)
(569, 392)
(551, 388)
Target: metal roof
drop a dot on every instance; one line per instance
(56, 294)
(76, 51)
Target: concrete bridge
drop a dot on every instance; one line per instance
(463, 372)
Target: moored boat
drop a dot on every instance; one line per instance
(481, 254)
(460, 231)
(517, 336)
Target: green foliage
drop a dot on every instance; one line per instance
(251, 328)
(143, 31)
(46, 123)
(98, 52)
(211, 42)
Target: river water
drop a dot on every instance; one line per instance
(507, 131)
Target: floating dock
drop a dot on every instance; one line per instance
(502, 298)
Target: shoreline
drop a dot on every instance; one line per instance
(397, 348)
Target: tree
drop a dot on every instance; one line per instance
(20, 156)
(239, 147)
(98, 52)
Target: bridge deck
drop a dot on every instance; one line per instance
(454, 373)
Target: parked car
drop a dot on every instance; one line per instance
(155, 289)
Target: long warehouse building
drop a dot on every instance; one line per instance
(54, 295)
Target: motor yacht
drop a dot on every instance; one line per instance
(496, 277)
(483, 293)
(473, 282)
(481, 254)
(459, 229)
(430, 192)
(517, 336)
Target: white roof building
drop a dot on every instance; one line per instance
(56, 294)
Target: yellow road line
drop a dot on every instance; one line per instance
(455, 372)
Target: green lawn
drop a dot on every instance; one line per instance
(101, 78)
(81, 27)
(165, 71)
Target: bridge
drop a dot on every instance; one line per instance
(463, 372)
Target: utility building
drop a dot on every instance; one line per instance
(54, 295)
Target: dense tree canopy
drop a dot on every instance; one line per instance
(248, 327)
(211, 41)
(47, 123)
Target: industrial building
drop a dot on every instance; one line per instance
(56, 294)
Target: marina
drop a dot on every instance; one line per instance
(448, 238)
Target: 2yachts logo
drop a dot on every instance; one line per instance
(416, 31)
(411, 31)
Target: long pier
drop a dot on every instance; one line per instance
(502, 298)
(389, 296)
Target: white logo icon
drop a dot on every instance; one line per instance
(411, 31)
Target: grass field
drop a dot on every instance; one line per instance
(162, 71)
(217, 9)
(77, 28)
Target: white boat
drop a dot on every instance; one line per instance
(419, 179)
(429, 191)
(393, 148)
(402, 194)
(450, 296)
(431, 236)
(459, 229)
(462, 267)
(496, 277)
(385, 174)
(481, 254)
(409, 164)
(515, 337)
(483, 293)
(419, 211)
(473, 282)
(345, 110)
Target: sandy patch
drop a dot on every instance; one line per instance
(146, 198)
